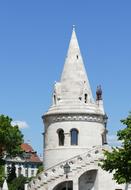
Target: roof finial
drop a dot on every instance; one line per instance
(73, 27)
(99, 93)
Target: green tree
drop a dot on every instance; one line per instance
(2, 174)
(18, 183)
(10, 140)
(119, 160)
(40, 169)
(10, 137)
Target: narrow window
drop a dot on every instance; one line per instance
(32, 172)
(26, 172)
(74, 136)
(54, 99)
(77, 56)
(85, 98)
(61, 137)
(19, 171)
(32, 166)
(104, 140)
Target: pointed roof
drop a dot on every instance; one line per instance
(73, 93)
(74, 78)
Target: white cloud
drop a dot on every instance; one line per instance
(112, 140)
(21, 124)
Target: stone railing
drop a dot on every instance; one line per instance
(57, 171)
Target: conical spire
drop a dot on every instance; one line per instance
(74, 81)
(73, 93)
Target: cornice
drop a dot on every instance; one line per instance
(64, 117)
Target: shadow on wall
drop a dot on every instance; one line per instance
(87, 181)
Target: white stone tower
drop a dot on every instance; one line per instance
(75, 133)
(75, 122)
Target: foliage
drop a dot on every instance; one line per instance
(10, 137)
(10, 140)
(119, 160)
(40, 169)
(17, 183)
(2, 174)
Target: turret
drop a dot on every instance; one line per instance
(75, 122)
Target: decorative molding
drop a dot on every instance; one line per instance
(48, 119)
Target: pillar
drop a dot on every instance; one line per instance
(75, 185)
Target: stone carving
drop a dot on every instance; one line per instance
(73, 117)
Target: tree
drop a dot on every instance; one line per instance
(119, 160)
(10, 140)
(40, 169)
(10, 137)
(18, 183)
(2, 174)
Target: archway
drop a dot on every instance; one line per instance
(87, 181)
(66, 185)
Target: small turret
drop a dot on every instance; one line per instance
(99, 99)
(98, 93)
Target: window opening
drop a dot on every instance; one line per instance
(32, 172)
(26, 172)
(61, 137)
(74, 137)
(85, 98)
(32, 166)
(104, 140)
(54, 99)
(77, 56)
(19, 171)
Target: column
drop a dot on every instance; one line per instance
(67, 139)
(75, 184)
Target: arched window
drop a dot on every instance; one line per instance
(74, 136)
(61, 137)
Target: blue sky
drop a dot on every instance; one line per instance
(34, 37)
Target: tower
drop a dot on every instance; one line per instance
(75, 122)
(75, 133)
